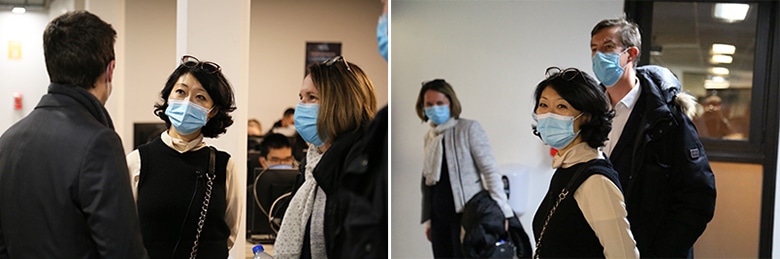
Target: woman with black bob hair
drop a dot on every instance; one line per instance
(187, 193)
(583, 213)
(218, 89)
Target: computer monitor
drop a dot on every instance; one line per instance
(270, 186)
(145, 132)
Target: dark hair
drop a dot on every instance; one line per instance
(274, 141)
(583, 93)
(443, 87)
(629, 33)
(347, 99)
(78, 46)
(289, 112)
(218, 88)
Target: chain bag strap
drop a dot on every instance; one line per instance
(210, 175)
(564, 193)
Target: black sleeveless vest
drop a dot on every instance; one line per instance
(568, 234)
(171, 191)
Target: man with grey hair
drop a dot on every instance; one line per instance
(668, 185)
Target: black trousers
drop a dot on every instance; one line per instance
(445, 222)
(445, 237)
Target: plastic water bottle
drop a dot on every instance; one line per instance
(260, 253)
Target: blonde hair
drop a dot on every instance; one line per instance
(347, 99)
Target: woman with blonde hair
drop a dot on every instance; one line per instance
(337, 102)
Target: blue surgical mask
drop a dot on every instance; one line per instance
(607, 67)
(381, 35)
(556, 130)
(186, 117)
(438, 114)
(305, 119)
(280, 166)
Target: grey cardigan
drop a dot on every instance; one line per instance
(471, 167)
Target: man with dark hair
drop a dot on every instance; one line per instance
(665, 174)
(286, 126)
(276, 152)
(64, 190)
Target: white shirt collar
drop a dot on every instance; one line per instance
(181, 145)
(631, 97)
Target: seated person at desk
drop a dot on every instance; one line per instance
(276, 152)
(254, 134)
(286, 126)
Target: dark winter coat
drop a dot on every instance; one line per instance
(328, 172)
(666, 177)
(64, 185)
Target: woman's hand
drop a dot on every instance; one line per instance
(428, 233)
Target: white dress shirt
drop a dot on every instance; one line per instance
(622, 112)
(233, 211)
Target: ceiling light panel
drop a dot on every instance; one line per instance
(720, 48)
(731, 12)
(721, 59)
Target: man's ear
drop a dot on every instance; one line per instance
(263, 162)
(110, 74)
(633, 53)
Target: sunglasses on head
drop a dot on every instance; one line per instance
(567, 74)
(335, 59)
(207, 66)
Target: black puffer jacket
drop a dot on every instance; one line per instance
(669, 186)
(483, 225)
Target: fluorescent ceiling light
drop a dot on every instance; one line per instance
(18, 10)
(731, 12)
(712, 84)
(721, 59)
(719, 70)
(719, 48)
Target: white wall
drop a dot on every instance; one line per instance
(493, 53)
(150, 40)
(26, 75)
(279, 32)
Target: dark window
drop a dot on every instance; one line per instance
(722, 61)
(742, 126)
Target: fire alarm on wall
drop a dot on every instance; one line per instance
(17, 101)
